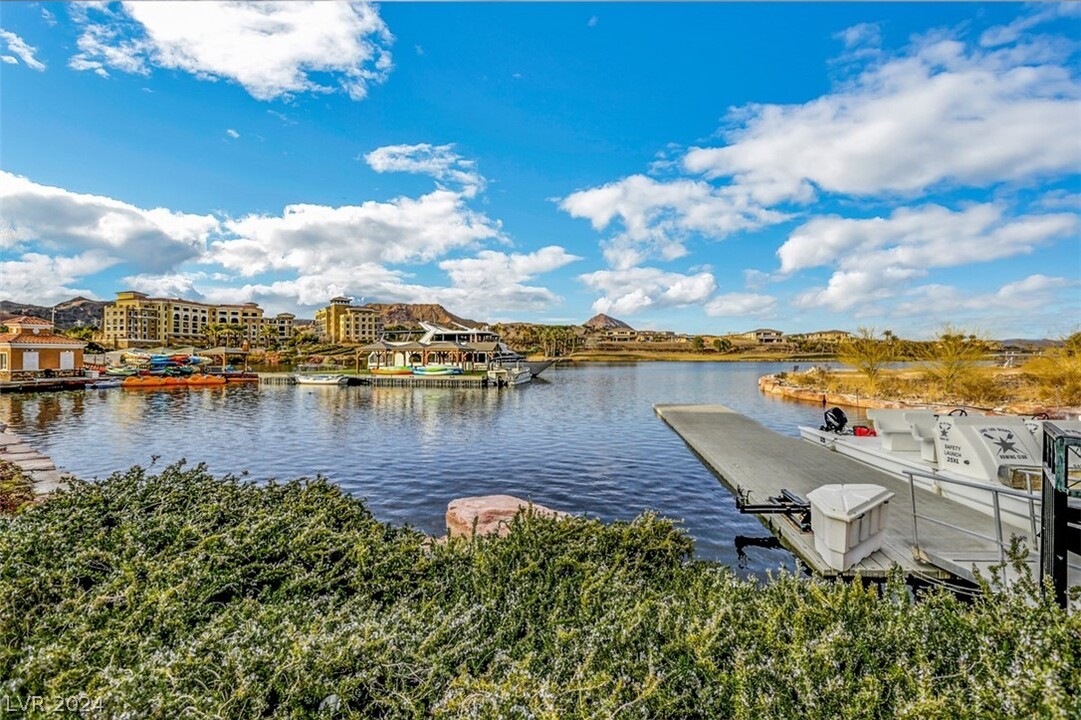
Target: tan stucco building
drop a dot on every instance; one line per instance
(342, 322)
(30, 350)
(137, 320)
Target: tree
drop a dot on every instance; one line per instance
(952, 357)
(698, 343)
(867, 354)
(722, 345)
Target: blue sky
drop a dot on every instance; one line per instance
(695, 167)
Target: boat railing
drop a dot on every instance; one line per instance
(1030, 498)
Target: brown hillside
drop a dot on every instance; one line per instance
(605, 322)
(77, 312)
(412, 315)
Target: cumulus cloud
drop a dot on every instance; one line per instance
(314, 237)
(232, 133)
(943, 114)
(630, 291)
(1035, 305)
(437, 161)
(874, 257)
(180, 284)
(656, 216)
(271, 49)
(63, 221)
(488, 286)
(1040, 13)
(741, 305)
(48, 279)
(19, 51)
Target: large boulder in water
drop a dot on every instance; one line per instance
(491, 513)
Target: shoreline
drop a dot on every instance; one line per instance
(773, 385)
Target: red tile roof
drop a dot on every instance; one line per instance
(27, 320)
(31, 339)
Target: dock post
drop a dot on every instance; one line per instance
(1053, 539)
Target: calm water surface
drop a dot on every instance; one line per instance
(584, 439)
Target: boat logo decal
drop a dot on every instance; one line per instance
(1006, 442)
(944, 430)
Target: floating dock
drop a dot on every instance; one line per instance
(749, 457)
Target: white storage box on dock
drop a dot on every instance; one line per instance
(847, 522)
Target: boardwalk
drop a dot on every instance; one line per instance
(749, 456)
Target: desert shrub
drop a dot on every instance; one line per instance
(185, 595)
(1056, 374)
(951, 360)
(868, 354)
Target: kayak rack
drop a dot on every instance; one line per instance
(787, 503)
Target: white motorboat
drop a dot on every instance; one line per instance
(321, 379)
(991, 450)
(510, 376)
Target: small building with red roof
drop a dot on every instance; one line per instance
(30, 350)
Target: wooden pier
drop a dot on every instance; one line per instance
(749, 456)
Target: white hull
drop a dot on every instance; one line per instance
(321, 379)
(868, 450)
(510, 376)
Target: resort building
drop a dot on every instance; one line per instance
(136, 320)
(343, 322)
(30, 350)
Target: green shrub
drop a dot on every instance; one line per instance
(16, 489)
(184, 595)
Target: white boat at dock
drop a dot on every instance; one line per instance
(510, 376)
(951, 454)
(321, 379)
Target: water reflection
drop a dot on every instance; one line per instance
(587, 440)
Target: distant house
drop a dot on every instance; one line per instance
(764, 336)
(31, 350)
(619, 335)
(823, 336)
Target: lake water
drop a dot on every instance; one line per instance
(583, 438)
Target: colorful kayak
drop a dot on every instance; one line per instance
(437, 370)
(394, 370)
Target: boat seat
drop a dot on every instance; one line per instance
(923, 430)
(894, 430)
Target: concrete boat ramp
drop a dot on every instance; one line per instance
(758, 461)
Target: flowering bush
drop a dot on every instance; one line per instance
(185, 595)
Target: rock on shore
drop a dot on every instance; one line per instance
(492, 514)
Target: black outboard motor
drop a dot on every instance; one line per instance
(835, 420)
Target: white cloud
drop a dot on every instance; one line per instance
(313, 238)
(46, 280)
(861, 34)
(232, 133)
(656, 216)
(1034, 306)
(941, 115)
(592, 21)
(491, 269)
(741, 305)
(48, 17)
(1006, 34)
(272, 49)
(438, 161)
(924, 237)
(60, 220)
(875, 257)
(18, 47)
(629, 291)
(180, 284)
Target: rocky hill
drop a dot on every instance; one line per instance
(77, 312)
(605, 322)
(412, 315)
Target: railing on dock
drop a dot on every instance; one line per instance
(1031, 499)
